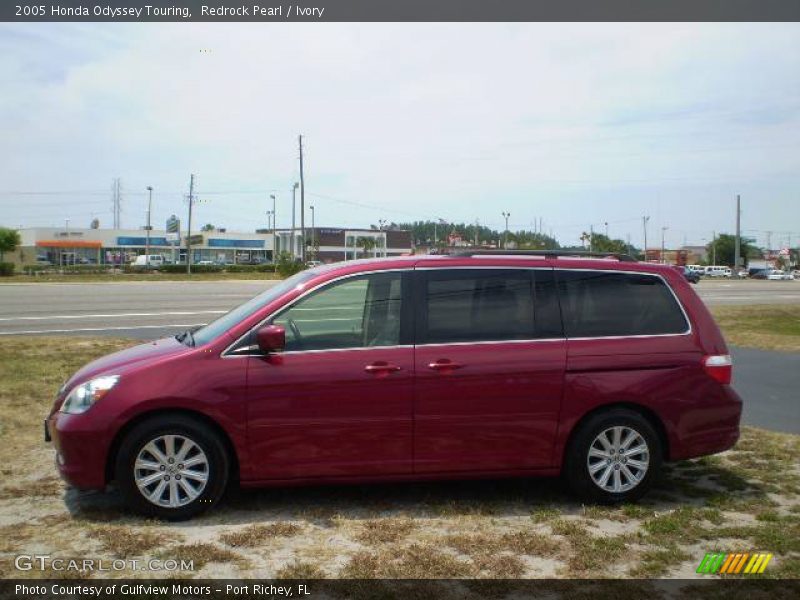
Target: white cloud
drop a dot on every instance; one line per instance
(583, 122)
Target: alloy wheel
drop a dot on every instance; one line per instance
(618, 459)
(171, 471)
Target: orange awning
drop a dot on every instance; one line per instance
(69, 244)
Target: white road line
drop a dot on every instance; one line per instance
(116, 315)
(99, 329)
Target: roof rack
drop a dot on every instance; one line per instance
(622, 257)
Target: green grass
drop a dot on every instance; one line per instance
(768, 326)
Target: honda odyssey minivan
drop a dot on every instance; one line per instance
(411, 368)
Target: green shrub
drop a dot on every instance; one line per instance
(287, 266)
(6, 269)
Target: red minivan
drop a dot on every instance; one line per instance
(410, 368)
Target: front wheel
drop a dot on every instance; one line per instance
(173, 467)
(613, 457)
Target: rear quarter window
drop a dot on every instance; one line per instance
(602, 304)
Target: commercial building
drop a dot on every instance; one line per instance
(68, 246)
(62, 246)
(328, 244)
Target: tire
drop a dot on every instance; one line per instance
(188, 488)
(634, 481)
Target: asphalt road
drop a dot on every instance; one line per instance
(149, 310)
(769, 382)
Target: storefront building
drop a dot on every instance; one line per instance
(61, 246)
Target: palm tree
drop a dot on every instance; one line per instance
(366, 243)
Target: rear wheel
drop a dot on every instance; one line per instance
(172, 467)
(613, 457)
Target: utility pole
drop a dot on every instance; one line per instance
(606, 223)
(476, 233)
(147, 239)
(663, 248)
(294, 189)
(505, 234)
(189, 227)
(644, 227)
(591, 238)
(274, 227)
(302, 203)
(381, 223)
(738, 248)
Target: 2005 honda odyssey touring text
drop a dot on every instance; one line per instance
(411, 368)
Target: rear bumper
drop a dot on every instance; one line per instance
(710, 429)
(80, 450)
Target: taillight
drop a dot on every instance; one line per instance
(719, 367)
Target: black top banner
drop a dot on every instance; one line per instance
(400, 10)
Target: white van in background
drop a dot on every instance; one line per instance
(718, 271)
(152, 260)
(699, 269)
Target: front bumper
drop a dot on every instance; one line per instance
(80, 451)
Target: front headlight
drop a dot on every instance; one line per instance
(81, 398)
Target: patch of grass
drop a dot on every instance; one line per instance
(417, 561)
(298, 569)
(498, 566)
(520, 542)
(542, 515)
(656, 562)
(36, 488)
(384, 531)
(568, 527)
(203, 553)
(769, 327)
(257, 535)
(590, 553)
(125, 542)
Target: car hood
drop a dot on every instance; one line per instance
(119, 362)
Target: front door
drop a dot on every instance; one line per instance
(490, 360)
(338, 401)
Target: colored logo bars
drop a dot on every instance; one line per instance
(734, 564)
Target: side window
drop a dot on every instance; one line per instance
(466, 305)
(597, 304)
(357, 312)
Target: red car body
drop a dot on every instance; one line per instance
(510, 407)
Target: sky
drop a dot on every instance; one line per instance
(576, 125)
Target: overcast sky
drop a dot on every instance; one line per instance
(575, 124)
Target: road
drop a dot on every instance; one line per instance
(768, 381)
(148, 310)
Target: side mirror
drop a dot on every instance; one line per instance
(271, 338)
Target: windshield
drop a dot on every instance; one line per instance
(216, 328)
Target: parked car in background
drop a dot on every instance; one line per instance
(743, 273)
(152, 260)
(313, 263)
(699, 269)
(779, 275)
(205, 262)
(718, 271)
(424, 367)
(690, 275)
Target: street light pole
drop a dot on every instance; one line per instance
(644, 226)
(147, 239)
(313, 233)
(381, 223)
(663, 229)
(294, 191)
(274, 226)
(505, 238)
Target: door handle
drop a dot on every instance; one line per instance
(381, 367)
(444, 364)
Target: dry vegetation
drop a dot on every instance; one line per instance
(744, 500)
